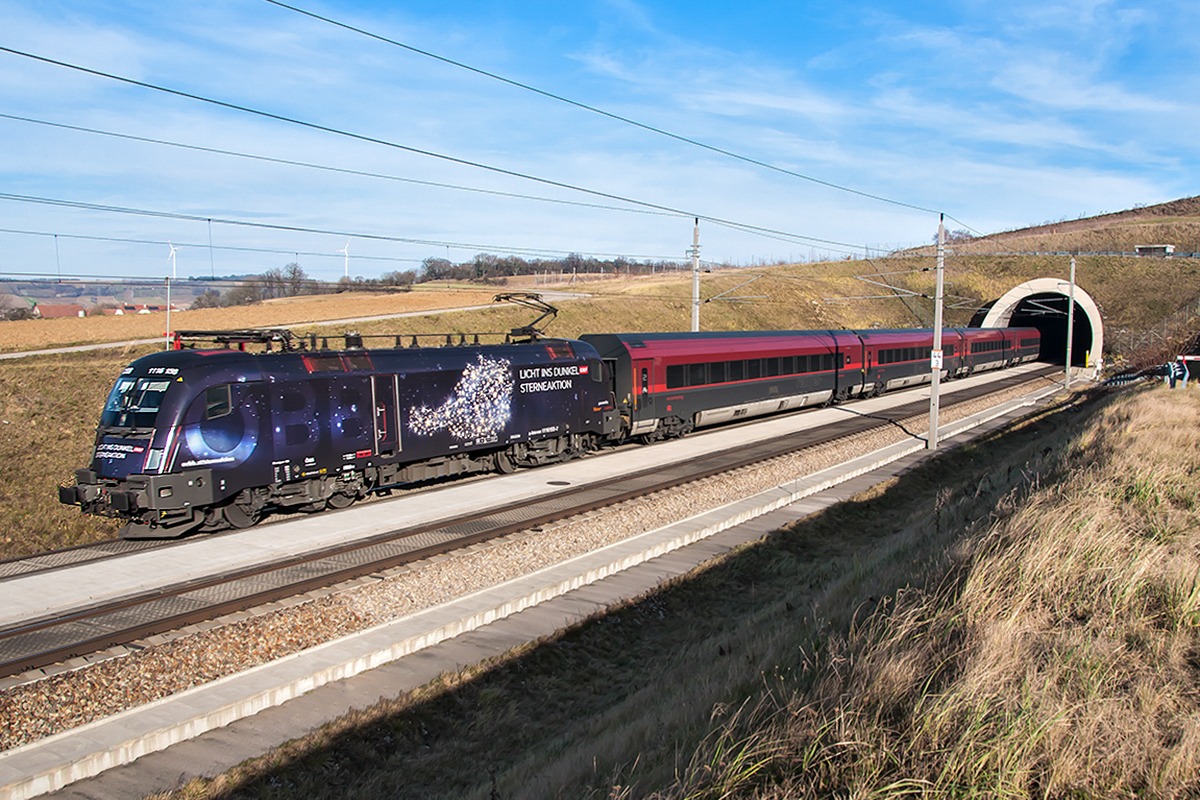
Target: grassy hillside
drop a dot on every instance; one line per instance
(1176, 222)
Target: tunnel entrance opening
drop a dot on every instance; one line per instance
(1048, 313)
(1042, 303)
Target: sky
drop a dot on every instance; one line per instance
(854, 125)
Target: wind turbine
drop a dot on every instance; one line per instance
(346, 250)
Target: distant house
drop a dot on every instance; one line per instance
(59, 311)
(1161, 250)
(144, 308)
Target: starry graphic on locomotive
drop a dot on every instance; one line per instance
(479, 407)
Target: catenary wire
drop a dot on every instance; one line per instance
(385, 142)
(205, 246)
(594, 110)
(295, 228)
(341, 170)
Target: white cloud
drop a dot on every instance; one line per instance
(1058, 85)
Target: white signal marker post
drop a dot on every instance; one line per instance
(935, 360)
(173, 249)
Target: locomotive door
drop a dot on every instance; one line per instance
(387, 418)
(643, 377)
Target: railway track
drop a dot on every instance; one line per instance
(36, 643)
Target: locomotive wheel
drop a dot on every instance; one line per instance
(505, 464)
(341, 500)
(239, 516)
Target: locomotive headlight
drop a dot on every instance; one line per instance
(165, 491)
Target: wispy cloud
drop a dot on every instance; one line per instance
(1000, 113)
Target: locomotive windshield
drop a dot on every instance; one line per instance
(134, 402)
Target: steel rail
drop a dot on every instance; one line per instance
(37, 643)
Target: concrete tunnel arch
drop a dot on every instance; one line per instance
(1042, 303)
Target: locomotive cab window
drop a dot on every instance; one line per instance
(217, 402)
(134, 403)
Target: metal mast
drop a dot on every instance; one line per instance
(695, 254)
(935, 359)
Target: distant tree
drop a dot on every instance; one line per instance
(273, 283)
(294, 280)
(210, 299)
(484, 266)
(574, 263)
(435, 269)
(245, 293)
(405, 278)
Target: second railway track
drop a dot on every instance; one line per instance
(40, 641)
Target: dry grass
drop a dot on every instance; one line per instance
(49, 407)
(618, 706)
(1018, 619)
(1060, 656)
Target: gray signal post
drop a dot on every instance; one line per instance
(935, 357)
(695, 254)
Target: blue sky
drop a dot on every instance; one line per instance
(999, 114)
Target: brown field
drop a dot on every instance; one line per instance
(36, 334)
(49, 406)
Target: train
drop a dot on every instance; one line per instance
(214, 435)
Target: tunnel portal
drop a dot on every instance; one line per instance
(1042, 304)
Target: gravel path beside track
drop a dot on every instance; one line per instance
(44, 707)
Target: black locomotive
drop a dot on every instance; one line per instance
(216, 437)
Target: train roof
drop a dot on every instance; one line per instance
(205, 360)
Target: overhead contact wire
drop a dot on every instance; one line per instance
(584, 106)
(50, 201)
(385, 143)
(341, 170)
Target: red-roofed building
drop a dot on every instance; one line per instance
(58, 312)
